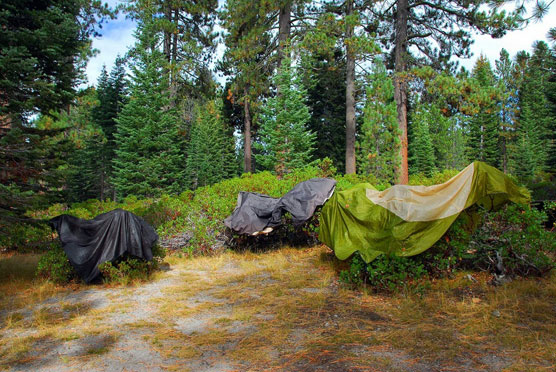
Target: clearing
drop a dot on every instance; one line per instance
(277, 311)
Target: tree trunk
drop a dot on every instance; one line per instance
(284, 29)
(247, 134)
(400, 85)
(102, 185)
(350, 95)
(173, 57)
(167, 35)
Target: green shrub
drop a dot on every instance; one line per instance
(129, 269)
(385, 273)
(436, 178)
(511, 241)
(55, 266)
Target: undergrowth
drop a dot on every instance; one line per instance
(199, 212)
(513, 235)
(55, 266)
(511, 242)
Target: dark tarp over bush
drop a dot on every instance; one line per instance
(255, 212)
(107, 237)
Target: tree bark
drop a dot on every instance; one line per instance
(247, 134)
(167, 35)
(350, 95)
(400, 85)
(173, 57)
(284, 29)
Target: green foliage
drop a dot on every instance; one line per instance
(514, 236)
(44, 45)
(130, 269)
(150, 155)
(285, 141)
(25, 237)
(54, 265)
(378, 143)
(485, 123)
(324, 77)
(535, 125)
(435, 179)
(385, 273)
(211, 154)
(422, 159)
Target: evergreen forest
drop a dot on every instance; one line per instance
(372, 86)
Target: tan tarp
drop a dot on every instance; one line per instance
(426, 203)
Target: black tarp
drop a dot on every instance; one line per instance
(107, 237)
(254, 212)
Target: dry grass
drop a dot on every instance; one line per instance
(295, 309)
(285, 310)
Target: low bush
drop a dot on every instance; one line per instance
(514, 242)
(511, 242)
(55, 266)
(129, 269)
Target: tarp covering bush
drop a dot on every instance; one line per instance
(407, 220)
(256, 212)
(107, 237)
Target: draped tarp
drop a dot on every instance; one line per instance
(407, 220)
(107, 237)
(256, 212)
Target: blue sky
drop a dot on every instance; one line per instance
(117, 37)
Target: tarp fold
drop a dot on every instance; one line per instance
(407, 220)
(256, 212)
(107, 237)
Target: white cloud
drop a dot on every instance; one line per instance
(117, 38)
(513, 42)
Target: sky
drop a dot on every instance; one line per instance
(117, 37)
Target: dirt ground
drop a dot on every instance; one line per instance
(278, 311)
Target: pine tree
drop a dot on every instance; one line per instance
(422, 159)
(438, 30)
(149, 157)
(285, 141)
(86, 162)
(443, 100)
(324, 77)
(536, 116)
(483, 131)
(551, 96)
(112, 95)
(508, 105)
(378, 145)
(44, 45)
(211, 154)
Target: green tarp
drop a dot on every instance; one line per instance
(407, 220)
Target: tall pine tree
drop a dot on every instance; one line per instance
(422, 158)
(150, 143)
(211, 154)
(483, 127)
(285, 141)
(536, 116)
(378, 145)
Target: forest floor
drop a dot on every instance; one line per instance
(277, 311)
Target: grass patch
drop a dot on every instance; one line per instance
(286, 310)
